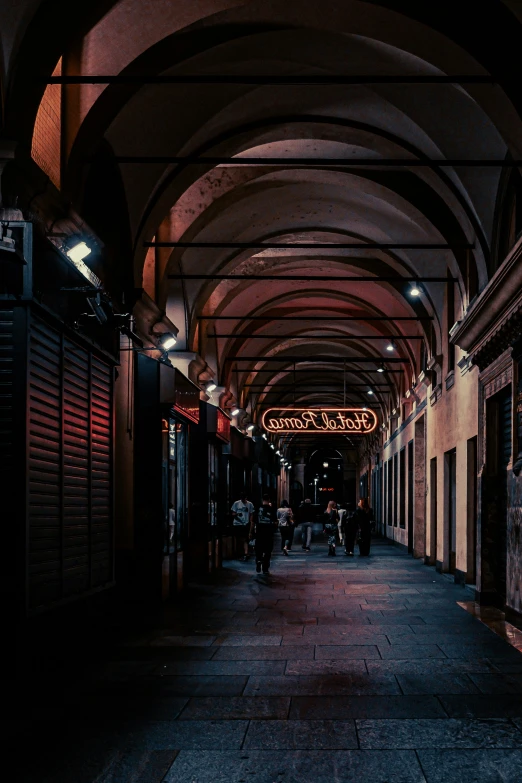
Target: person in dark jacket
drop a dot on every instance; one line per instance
(364, 518)
(349, 529)
(306, 517)
(265, 525)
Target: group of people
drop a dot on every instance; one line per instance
(258, 528)
(349, 527)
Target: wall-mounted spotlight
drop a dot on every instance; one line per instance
(325, 464)
(78, 252)
(251, 427)
(272, 446)
(391, 346)
(210, 387)
(370, 391)
(381, 367)
(415, 290)
(235, 412)
(278, 452)
(167, 341)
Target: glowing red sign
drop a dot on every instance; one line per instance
(283, 421)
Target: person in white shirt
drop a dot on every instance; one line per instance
(342, 513)
(242, 514)
(285, 520)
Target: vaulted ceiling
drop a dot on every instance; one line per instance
(362, 198)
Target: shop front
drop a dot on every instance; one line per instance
(167, 412)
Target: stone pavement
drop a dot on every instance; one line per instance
(327, 670)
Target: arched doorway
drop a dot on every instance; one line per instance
(324, 476)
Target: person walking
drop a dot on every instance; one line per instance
(330, 524)
(364, 515)
(285, 520)
(341, 508)
(306, 517)
(242, 517)
(350, 527)
(264, 529)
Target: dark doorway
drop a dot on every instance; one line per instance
(471, 506)
(395, 487)
(410, 496)
(498, 455)
(450, 492)
(433, 510)
(402, 488)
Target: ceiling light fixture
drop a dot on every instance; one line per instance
(167, 341)
(235, 412)
(78, 252)
(381, 367)
(272, 446)
(391, 346)
(370, 391)
(415, 290)
(210, 387)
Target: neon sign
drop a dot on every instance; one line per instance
(283, 421)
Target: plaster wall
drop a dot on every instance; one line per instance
(451, 421)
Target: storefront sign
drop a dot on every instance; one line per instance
(186, 397)
(284, 421)
(222, 426)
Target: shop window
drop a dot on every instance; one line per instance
(213, 472)
(175, 490)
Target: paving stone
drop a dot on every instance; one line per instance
(270, 653)
(295, 767)
(315, 668)
(301, 735)
(346, 652)
(396, 620)
(197, 668)
(482, 706)
(438, 683)
(188, 735)
(410, 651)
(356, 685)
(185, 641)
(237, 708)
(428, 667)
(203, 685)
(449, 733)
(245, 639)
(471, 766)
(496, 684)
(365, 707)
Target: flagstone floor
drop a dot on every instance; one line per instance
(345, 669)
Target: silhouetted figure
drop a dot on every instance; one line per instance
(306, 517)
(265, 526)
(350, 527)
(364, 516)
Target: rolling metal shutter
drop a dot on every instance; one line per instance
(70, 468)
